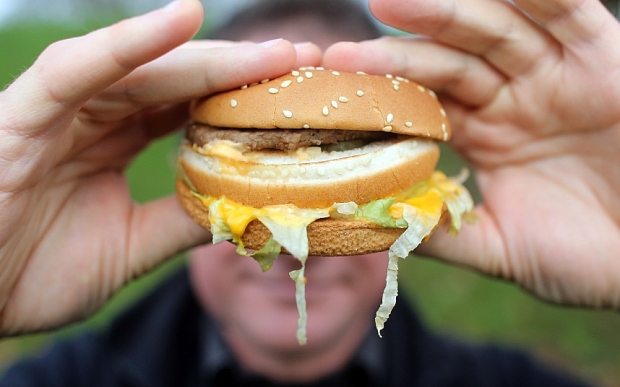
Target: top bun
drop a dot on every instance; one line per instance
(338, 101)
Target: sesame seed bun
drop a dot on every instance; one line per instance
(324, 99)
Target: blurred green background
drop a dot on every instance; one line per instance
(452, 300)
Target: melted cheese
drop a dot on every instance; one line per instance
(420, 206)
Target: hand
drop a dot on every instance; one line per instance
(532, 92)
(70, 234)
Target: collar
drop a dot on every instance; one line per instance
(217, 357)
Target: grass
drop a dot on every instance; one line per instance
(453, 300)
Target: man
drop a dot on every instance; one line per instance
(249, 314)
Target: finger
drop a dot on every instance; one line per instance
(71, 71)
(574, 22)
(308, 54)
(189, 73)
(462, 76)
(494, 30)
(210, 43)
(159, 230)
(464, 249)
(114, 150)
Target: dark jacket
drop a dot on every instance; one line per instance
(157, 343)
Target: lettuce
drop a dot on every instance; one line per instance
(420, 224)
(288, 227)
(377, 212)
(417, 209)
(265, 256)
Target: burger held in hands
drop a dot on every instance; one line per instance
(320, 162)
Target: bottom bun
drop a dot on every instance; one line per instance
(326, 237)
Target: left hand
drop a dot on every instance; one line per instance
(533, 94)
(70, 234)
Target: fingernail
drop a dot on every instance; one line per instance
(175, 4)
(303, 44)
(171, 6)
(270, 43)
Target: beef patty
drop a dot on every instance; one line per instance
(281, 139)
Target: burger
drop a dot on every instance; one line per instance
(320, 163)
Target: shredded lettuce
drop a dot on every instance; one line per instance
(418, 209)
(344, 209)
(288, 227)
(265, 256)
(420, 224)
(390, 292)
(300, 299)
(377, 212)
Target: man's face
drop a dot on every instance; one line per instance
(342, 295)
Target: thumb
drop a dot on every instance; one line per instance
(159, 230)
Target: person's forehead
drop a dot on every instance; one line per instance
(302, 30)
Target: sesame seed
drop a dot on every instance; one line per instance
(265, 80)
(253, 84)
(432, 93)
(361, 73)
(343, 99)
(394, 81)
(320, 171)
(295, 73)
(325, 110)
(396, 87)
(273, 90)
(287, 113)
(300, 79)
(360, 93)
(402, 79)
(409, 124)
(244, 87)
(335, 104)
(309, 74)
(306, 126)
(320, 68)
(286, 83)
(421, 88)
(336, 73)
(390, 76)
(387, 128)
(390, 118)
(442, 112)
(233, 102)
